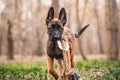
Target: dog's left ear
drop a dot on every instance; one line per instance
(62, 16)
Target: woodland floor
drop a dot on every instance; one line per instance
(27, 58)
(35, 68)
(86, 69)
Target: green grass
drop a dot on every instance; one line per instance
(88, 70)
(99, 70)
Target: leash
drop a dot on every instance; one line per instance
(70, 70)
(64, 46)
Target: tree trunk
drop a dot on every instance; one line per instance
(113, 25)
(0, 35)
(98, 25)
(0, 39)
(39, 50)
(55, 4)
(10, 41)
(79, 26)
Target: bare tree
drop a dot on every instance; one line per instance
(0, 40)
(79, 22)
(0, 36)
(10, 41)
(98, 25)
(9, 19)
(113, 25)
(39, 49)
(55, 4)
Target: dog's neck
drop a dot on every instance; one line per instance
(52, 44)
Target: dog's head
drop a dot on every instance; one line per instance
(55, 26)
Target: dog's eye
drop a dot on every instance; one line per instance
(50, 29)
(60, 28)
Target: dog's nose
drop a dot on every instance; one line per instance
(56, 35)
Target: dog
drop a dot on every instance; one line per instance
(60, 45)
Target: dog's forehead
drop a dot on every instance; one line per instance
(55, 21)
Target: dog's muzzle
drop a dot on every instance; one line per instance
(56, 35)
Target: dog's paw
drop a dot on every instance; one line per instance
(75, 77)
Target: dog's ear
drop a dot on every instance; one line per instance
(62, 16)
(50, 15)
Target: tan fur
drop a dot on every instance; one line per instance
(60, 45)
(55, 49)
(70, 57)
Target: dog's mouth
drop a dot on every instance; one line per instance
(63, 45)
(54, 38)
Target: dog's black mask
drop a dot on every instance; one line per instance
(55, 32)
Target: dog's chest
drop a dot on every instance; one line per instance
(54, 51)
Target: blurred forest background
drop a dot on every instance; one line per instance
(23, 28)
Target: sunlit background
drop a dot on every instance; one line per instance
(23, 31)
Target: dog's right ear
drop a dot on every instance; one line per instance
(50, 15)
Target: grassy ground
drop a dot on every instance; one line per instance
(88, 70)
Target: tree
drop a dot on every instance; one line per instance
(55, 4)
(113, 25)
(10, 41)
(0, 39)
(79, 22)
(9, 20)
(98, 25)
(40, 49)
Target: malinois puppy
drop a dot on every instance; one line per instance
(60, 45)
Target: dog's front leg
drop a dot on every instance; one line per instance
(61, 70)
(51, 68)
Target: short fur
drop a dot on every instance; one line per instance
(56, 31)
